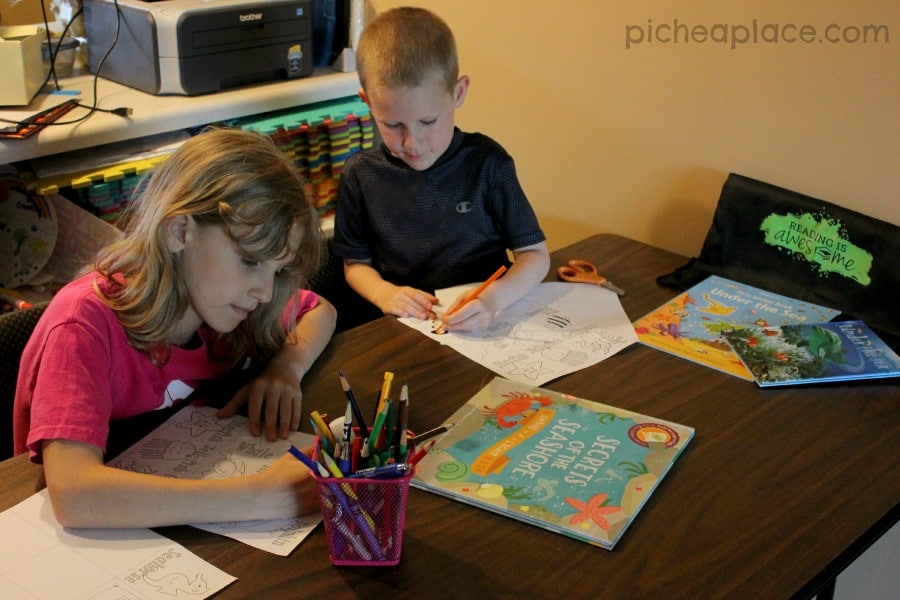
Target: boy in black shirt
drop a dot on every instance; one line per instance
(432, 206)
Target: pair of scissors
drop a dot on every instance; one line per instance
(582, 271)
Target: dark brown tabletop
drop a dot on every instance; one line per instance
(779, 490)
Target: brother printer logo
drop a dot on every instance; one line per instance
(251, 17)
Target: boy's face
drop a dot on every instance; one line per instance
(416, 123)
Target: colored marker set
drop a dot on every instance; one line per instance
(362, 477)
(355, 450)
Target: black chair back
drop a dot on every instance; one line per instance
(15, 329)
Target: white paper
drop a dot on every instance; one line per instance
(558, 328)
(195, 444)
(41, 560)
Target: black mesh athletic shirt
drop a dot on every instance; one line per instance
(447, 225)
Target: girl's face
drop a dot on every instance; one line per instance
(416, 123)
(224, 284)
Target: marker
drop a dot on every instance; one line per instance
(348, 490)
(313, 466)
(377, 428)
(383, 472)
(345, 448)
(332, 467)
(322, 428)
(385, 390)
(321, 436)
(13, 298)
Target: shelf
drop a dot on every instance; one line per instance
(159, 114)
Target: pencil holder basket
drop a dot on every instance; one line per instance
(364, 519)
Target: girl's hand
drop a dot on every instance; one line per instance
(292, 485)
(274, 401)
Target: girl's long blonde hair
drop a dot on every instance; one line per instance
(235, 179)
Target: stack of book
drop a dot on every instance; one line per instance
(765, 337)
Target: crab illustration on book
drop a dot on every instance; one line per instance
(516, 410)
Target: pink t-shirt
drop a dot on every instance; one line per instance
(78, 372)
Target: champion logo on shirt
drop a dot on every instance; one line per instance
(464, 207)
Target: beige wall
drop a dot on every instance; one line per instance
(639, 141)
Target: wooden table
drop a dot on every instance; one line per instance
(778, 492)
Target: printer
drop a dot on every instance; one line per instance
(193, 47)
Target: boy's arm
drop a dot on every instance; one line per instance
(401, 301)
(528, 269)
(275, 396)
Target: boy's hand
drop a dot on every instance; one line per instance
(273, 398)
(408, 302)
(474, 315)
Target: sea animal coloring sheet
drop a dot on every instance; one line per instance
(194, 443)
(558, 328)
(41, 560)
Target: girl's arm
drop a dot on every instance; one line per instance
(274, 397)
(86, 493)
(528, 269)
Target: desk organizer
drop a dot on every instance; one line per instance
(364, 519)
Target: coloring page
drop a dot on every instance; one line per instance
(40, 559)
(558, 328)
(196, 444)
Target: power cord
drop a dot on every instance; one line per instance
(122, 111)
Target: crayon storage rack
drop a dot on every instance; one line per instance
(318, 137)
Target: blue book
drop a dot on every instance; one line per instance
(813, 353)
(692, 324)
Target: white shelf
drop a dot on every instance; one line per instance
(158, 114)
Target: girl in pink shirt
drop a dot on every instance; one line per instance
(207, 279)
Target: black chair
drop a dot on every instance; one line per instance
(15, 329)
(329, 283)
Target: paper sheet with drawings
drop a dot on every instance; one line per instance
(558, 328)
(39, 559)
(195, 443)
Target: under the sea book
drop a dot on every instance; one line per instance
(814, 353)
(566, 464)
(691, 325)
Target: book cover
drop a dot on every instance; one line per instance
(814, 353)
(566, 464)
(692, 323)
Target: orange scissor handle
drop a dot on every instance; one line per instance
(580, 271)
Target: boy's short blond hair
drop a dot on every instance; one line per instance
(404, 47)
